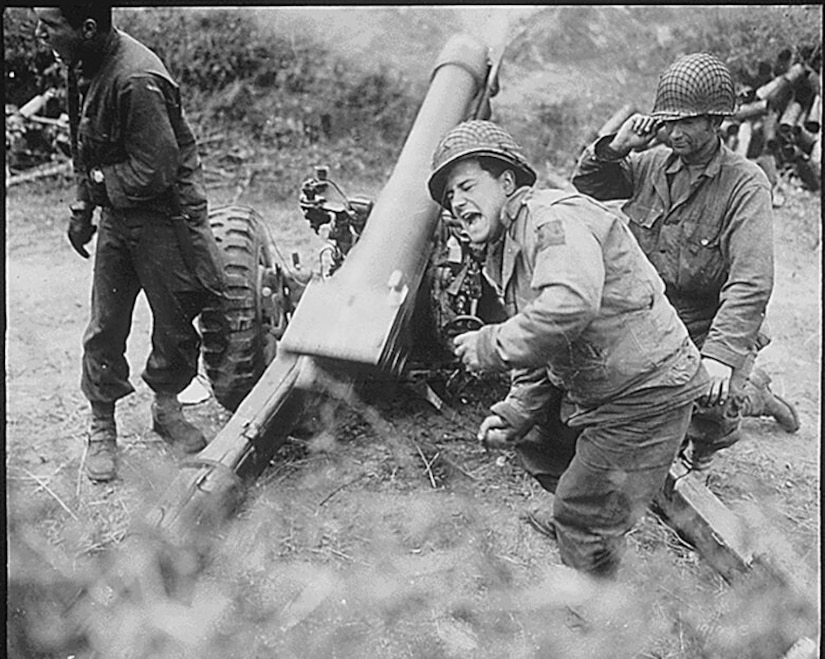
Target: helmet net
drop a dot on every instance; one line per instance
(694, 85)
(477, 137)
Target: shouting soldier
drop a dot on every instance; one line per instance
(587, 316)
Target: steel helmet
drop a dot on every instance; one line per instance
(692, 86)
(477, 138)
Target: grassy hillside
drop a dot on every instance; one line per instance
(342, 85)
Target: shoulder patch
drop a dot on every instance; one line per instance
(550, 233)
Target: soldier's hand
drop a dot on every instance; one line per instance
(81, 228)
(466, 349)
(719, 389)
(637, 132)
(495, 432)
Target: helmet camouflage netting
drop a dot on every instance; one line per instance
(692, 86)
(477, 138)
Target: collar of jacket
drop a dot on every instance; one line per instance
(504, 252)
(675, 162)
(513, 205)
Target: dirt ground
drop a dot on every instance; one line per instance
(388, 531)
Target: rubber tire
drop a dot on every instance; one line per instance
(235, 347)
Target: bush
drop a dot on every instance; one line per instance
(758, 33)
(30, 67)
(240, 79)
(282, 89)
(207, 50)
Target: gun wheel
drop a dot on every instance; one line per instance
(240, 332)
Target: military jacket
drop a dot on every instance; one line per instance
(585, 307)
(713, 246)
(132, 128)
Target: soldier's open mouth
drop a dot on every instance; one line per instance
(470, 219)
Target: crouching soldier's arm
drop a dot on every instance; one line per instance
(525, 404)
(568, 274)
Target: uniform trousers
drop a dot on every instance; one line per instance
(606, 471)
(138, 251)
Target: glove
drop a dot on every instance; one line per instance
(81, 228)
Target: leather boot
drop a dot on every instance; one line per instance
(168, 422)
(761, 401)
(101, 464)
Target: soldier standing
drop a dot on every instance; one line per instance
(587, 316)
(703, 216)
(136, 159)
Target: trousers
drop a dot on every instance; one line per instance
(604, 474)
(139, 251)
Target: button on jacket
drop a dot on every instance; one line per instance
(584, 303)
(712, 244)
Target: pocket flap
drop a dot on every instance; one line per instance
(644, 216)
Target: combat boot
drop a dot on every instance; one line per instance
(100, 463)
(761, 401)
(168, 422)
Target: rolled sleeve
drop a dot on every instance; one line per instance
(602, 174)
(526, 402)
(748, 248)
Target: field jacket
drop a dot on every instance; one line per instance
(587, 311)
(133, 129)
(713, 247)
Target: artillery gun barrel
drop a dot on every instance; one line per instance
(206, 488)
(353, 318)
(373, 294)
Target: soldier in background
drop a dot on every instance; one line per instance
(136, 160)
(587, 316)
(702, 214)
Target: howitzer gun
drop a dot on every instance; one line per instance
(398, 283)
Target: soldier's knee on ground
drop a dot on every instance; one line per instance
(588, 552)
